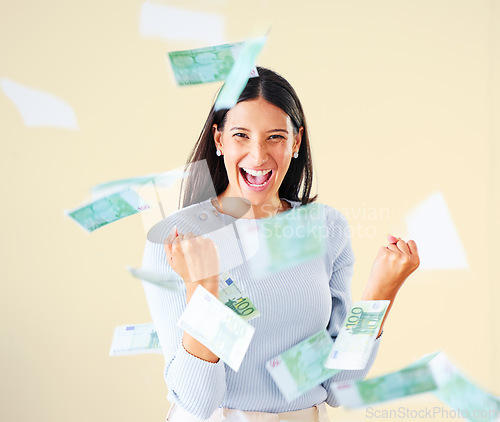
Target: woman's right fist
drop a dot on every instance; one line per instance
(195, 259)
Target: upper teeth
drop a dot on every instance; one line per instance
(255, 172)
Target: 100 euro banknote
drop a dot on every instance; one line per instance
(134, 340)
(239, 74)
(301, 368)
(232, 296)
(208, 64)
(354, 344)
(467, 399)
(217, 327)
(108, 209)
(427, 374)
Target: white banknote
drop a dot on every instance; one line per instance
(217, 327)
(134, 340)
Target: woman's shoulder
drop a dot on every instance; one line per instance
(195, 218)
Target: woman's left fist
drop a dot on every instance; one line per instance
(392, 266)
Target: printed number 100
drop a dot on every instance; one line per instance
(354, 317)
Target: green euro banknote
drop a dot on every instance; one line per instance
(208, 64)
(165, 179)
(469, 401)
(239, 74)
(106, 210)
(231, 296)
(287, 239)
(423, 376)
(301, 368)
(354, 344)
(135, 340)
(154, 278)
(217, 327)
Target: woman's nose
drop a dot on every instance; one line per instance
(259, 153)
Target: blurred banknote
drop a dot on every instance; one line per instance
(207, 64)
(356, 339)
(427, 374)
(217, 327)
(162, 179)
(154, 278)
(39, 108)
(301, 368)
(239, 74)
(231, 296)
(468, 400)
(108, 209)
(135, 340)
(277, 243)
(170, 23)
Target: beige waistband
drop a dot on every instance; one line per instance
(311, 414)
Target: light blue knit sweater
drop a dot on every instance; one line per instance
(294, 304)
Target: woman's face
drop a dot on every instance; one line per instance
(257, 144)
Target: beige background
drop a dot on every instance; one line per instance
(402, 99)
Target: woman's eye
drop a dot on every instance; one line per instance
(276, 138)
(240, 135)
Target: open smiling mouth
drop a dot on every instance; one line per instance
(256, 179)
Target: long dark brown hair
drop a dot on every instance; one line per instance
(276, 90)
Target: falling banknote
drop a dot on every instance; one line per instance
(356, 339)
(280, 242)
(468, 400)
(427, 374)
(134, 340)
(217, 327)
(299, 369)
(154, 278)
(161, 179)
(108, 209)
(239, 74)
(207, 64)
(231, 296)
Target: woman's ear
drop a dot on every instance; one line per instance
(217, 137)
(297, 140)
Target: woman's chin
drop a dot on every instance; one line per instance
(258, 199)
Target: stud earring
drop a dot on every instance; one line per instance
(295, 154)
(218, 153)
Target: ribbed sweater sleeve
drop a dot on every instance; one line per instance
(342, 260)
(196, 385)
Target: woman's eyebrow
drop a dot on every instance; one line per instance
(278, 130)
(248, 130)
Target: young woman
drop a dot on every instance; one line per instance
(257, 151)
